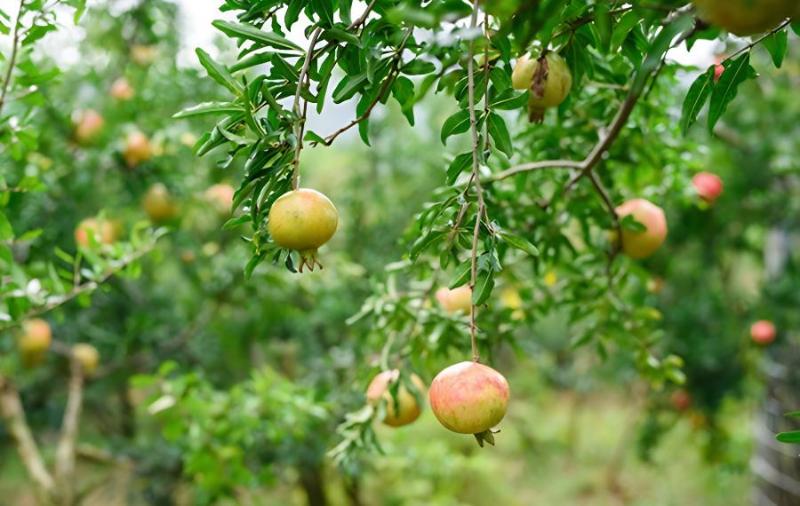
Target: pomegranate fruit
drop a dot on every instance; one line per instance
(159, 204)
(548, 79)
(144, 54)
(762, 332)
(469, 398)
(101, 230)
(681, 400)
(220, 196)
(708, 186)
(457, 300)
(36, 336)
(718, 70)
(644, 243)
(88, 126)
(121, 89)
(137, 149)
(745, 17)
(303, 220)
(87, 356)
(405, 409)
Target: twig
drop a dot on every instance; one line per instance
(12, 60)
(300, 120)
(390, 78)
(758, 40)
(65, 451)
(54, 302)
(476, 182)
(531, 166)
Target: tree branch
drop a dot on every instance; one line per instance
(65, 451)
(14, 415)
(387, 84)
(78, 290)
(12, 60)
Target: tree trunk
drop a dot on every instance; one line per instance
(775, 465)
(313, 484)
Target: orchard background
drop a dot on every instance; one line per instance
(597, 200)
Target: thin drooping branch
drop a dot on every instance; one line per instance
(300, 116)
(531, 166)
(387, 84)
(65, 451)
(759, 40)
(12, 60)
(12, 412)
(476, 183)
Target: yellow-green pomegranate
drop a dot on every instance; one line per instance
(303, 220)
(406, 409)
(548, 79)
(746, 17)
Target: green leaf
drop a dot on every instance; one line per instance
(509, 100)
(348, 87)
(418, 67)
(249, 32)
(208, 108)
(6, 232)
(218, 72)
(789, 437)
(519, 243)
(736, 72)
(458, 123)
(324, 8)
(457, 166)
(658, 48)
(463, 274)
(777, 44)
(696, 98)
(483, 288)
(499, 133)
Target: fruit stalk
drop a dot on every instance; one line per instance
(300, 118)
(476, 182)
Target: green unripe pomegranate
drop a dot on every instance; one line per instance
(643, 243)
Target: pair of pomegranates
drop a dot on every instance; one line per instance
(468, 398)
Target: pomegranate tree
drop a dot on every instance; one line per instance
(708, 186)
(548, 79)
(303, 220)
(642, 244)
(469, 398)
(402, 409)
(763, 332)
(746, 17)
(457, 300)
